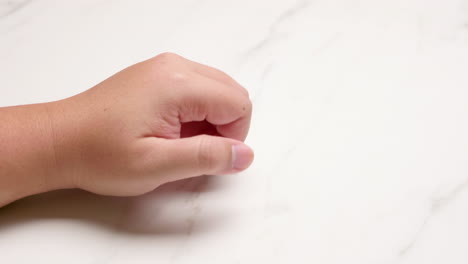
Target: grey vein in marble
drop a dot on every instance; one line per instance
(10, 7)
(437, 205)
(443, 201)
(273, 30)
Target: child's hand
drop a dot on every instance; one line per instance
(136, 130)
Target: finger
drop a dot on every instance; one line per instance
(237, 129)
(200, 155)
(229, 110)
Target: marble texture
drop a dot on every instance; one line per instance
(360, 128)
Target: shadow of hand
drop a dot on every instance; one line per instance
(172, 209)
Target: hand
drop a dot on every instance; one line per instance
(161, 120)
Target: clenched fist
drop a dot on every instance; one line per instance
(161, 120)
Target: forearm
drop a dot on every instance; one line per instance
(27, 156)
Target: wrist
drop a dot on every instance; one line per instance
(28, 158)
(54, 116)
(67, 119)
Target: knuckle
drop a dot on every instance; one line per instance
(165, 60)
(222, 75)
(177, 77)
(226, 78)
(245, 91)
(169, 67)
(167, 56)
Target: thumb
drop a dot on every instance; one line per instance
(203, 154)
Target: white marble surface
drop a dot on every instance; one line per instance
(360, 129)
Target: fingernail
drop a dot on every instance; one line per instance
(242, 156)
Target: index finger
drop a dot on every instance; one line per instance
(227, 109)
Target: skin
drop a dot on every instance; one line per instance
(161, 120)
